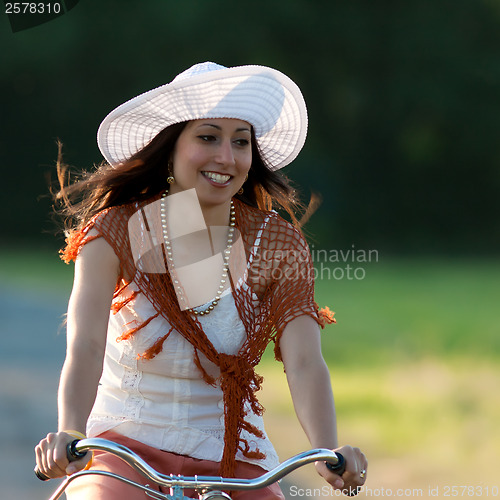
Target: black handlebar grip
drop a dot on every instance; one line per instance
(72, 454)
(40, 475)
(339, 467)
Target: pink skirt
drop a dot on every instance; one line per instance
(105, 488)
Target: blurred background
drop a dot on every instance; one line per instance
(404, 109)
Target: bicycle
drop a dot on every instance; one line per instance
(208, 488)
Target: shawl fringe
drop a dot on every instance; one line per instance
(126, 335)
(118, 305)
(74, 243)
(239, 383)
(326, 316)
(156, 348)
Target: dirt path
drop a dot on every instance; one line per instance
(30, 360)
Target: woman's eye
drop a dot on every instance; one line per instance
(242, 142)
(206, 138)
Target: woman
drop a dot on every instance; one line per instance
(177, 237)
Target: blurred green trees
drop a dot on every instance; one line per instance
(403, 98)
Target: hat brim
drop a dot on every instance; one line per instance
(264, 97)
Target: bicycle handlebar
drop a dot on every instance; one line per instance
(78, 449)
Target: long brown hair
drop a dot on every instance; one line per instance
(144, 175)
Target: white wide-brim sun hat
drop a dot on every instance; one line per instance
(264, 97)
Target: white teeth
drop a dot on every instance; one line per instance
(219, 178)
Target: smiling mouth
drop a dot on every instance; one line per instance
(217, 178)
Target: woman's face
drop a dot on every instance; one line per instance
(212, 156)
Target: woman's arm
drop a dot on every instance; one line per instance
(309, 381)
(96, 274)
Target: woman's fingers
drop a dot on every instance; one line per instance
(51, 456)
(334, 479)
(355, 473)
(77, 465)
(356, 466)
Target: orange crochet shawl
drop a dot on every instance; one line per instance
(281, 276)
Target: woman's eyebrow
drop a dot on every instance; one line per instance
(240, 129)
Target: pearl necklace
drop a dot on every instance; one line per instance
(171, 264)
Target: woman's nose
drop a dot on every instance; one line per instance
(225, 153)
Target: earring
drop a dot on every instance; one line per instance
(241, 189)
(170, 178)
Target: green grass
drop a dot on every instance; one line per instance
(36, 268)
(420, 424)
(406, 310)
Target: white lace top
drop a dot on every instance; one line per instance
(164, 402)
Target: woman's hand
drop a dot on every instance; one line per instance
(52, 459)
(355, 471)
